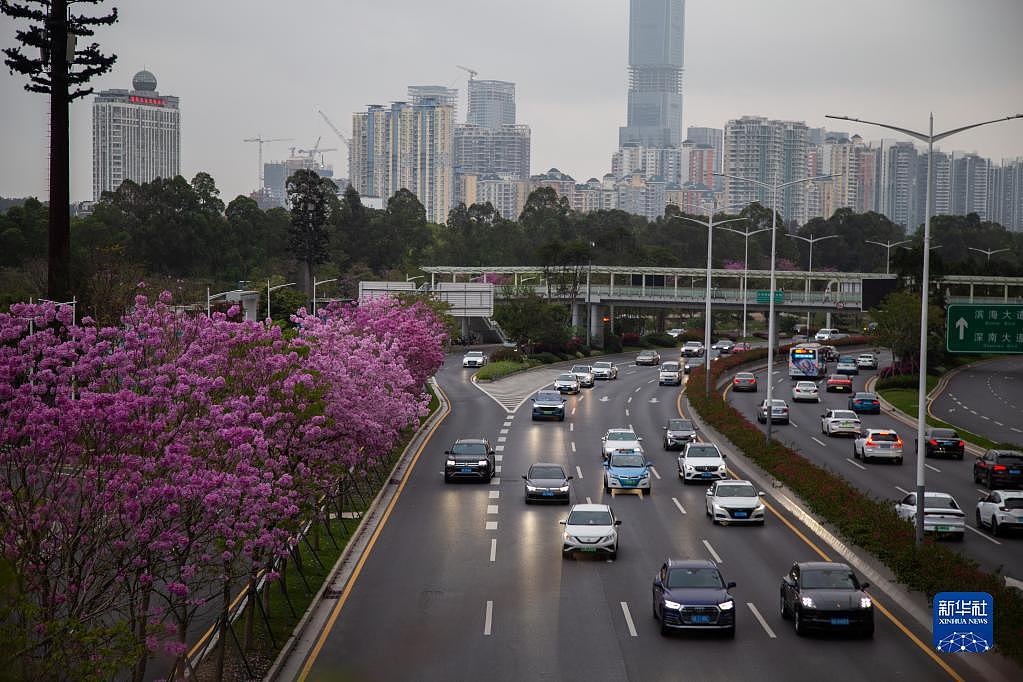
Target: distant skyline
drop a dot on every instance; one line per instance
(253, 68)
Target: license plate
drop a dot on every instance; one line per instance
(839, 621)
(589, 549)
(547, 494)
(466, 470)
(846, 425)
(706, 475)
(884, 446)
(943, 528)
(1014, 472)
(741, 515)
(701, 619)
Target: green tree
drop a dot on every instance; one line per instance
(313, 201)
(898, 325)
(530, 320)
(49, 58)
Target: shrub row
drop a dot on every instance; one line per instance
(661, 339)
(898, 381)
(864, 520)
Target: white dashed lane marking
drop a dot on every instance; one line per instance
(493, 550)
(820, 443)
(579, 472)
(678, 505)
(760, 619)
(983, 535)
(628, 620)
(494, 494)
(857, 464)
(491, 509)
(488, 618)
(491, 525)
(932, 468)
(902, 490)
(653, 470)
(712, 552)
(503, 431)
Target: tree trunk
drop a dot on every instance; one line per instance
(58, 285)
(141, 629)
(225, 623)
(250, 610)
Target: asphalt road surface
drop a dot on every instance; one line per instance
(466, 582)
(986, 399)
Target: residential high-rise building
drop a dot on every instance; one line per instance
(407, 146)
(136, 135)
(662, 163)
(901, 187)
(1007, 194)
(441, 94)
(708, 137)
(656, 30)
(970, 183)
(507, 195)
(491, 103)
(771, 152)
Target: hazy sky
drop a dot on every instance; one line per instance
(255, 67)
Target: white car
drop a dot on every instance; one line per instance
(692, 349)
(826, 334)
(942, 514)
(834, 422)
(592, 529)
(779, 411)
(474, 358)
(567, 383)
(669, 374)
(723, 345)
(806, 390)
(619, 439)
(674, 333)
(866, 361)
(604, 369)
(585, 375)
(734, 501)
(701, 462)
(1001, 510)
(878, 444)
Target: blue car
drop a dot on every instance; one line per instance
(627, 470)
(548, 405)
(865, 403)
(690, 594)
(846, 365)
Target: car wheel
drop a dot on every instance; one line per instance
(799, 626)
(664, 628)
(856, 453)
(614, 554)
(976, 478)
(447, 479)
(994, 527)
(561, 418)
(959, 456)
(784, 608)
(980, 524)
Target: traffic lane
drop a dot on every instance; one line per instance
(885, 480)
(987, 399)
(419, 581)
(769, 545)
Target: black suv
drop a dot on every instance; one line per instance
(470, 458)
(943, 442)
(999, 469)
(690, 594)
(826, 596)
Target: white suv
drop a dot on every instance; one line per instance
(701, 462)
(879, 444)
(826, 334)
(590, 528)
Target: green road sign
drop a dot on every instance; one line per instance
(762, 296)
(984, 328)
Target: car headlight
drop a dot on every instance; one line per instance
(807, 602)
(531, 488)
(568, 537)
(564, 488)
(689, 467)
(759, 508)
(865, 603)
(450, 463)
(726, 605)
(672, 604)
(483, 462)
(613, 477)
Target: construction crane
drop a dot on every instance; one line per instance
(348, 143)
(261, 141)
(311, 153)
(472, 72)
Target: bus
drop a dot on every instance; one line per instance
(807, 361)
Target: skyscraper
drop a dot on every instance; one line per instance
(656, 29)
(136, 135)
(491, 103)
(771, 152)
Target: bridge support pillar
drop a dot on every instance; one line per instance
(576, 314)
(596, 325)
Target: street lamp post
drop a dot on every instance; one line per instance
(745, 267)
(774, 248)
(268, 290)
(888, 246)
(930, 138)
(211, 297)
(589, 291)
(989, 252)
(316, 284)
(710, 225)
(811, 240)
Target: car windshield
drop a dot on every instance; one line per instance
(582, 369)
(548, 396)
(602, 365)
(621, 435)
(646, 354)
(736, 491)
(823, 579)
(940, 502)
(845, 359)
(865, 396)
(702, 451)
(695, 577)
(1011, 458)
(546, 472)
(589, 518)
(884, 437)
(806, 385)
(838, 377)
(669, 367)
(744, 376)
(1013, 503)
(844, 414)
(469, 449)
(623, 460)
(474, 354)
(566, 377)
(680, 425)
(943, 433)
(693, 344)
(776, 403)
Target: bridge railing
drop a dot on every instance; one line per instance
(718, 294)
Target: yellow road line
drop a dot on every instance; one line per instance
(888, 614)
(350, 585)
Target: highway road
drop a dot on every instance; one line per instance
(987, 399)
(466, 582)
(882, 479)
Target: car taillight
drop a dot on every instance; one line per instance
(735, 381)
(869, 442)
(999, 467)
(933, 442)
(962, 444)
(898, 443)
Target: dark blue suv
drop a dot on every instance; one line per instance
(690, 594)
(549, 405)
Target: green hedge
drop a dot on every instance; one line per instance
(661, 339)
(496, 370)
(545, 357)
(866, 521)
(502, 354)
(898, 381)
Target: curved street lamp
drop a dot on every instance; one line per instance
(930, 138)
(268, 290)
(888, 246)
(811, 240)
(989, 252)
